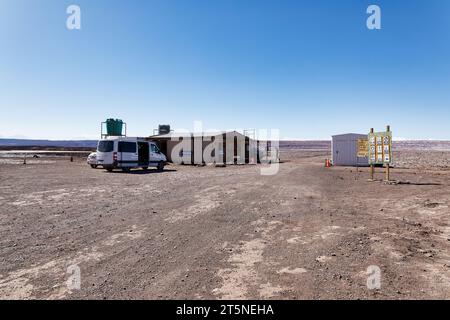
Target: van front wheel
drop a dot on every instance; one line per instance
(160, 166)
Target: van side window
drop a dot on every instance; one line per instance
(105, 146)
(127, 147)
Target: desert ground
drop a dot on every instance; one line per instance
(308, 232)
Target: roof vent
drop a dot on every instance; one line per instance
(163, 129)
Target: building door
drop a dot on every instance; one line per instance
(341, 153)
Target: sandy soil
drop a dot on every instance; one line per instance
(307, 232)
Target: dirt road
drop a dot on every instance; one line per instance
(202, 232)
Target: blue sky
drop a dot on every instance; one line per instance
(308, 68)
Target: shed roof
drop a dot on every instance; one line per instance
(349, 135)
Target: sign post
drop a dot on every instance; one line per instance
(388, 130)
(380, 151)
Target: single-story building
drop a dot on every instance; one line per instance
(210, 148)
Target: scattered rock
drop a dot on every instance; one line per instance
(323, 259)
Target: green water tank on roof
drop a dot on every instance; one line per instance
(114, 127)
(118, 127)
(110, 127)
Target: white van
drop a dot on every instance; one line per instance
(126, 153)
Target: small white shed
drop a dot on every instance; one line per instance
(344, 150)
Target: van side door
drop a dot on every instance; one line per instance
(127, 154)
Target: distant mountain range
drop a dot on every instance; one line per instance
(18, 143)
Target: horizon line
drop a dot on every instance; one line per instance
(282, 139)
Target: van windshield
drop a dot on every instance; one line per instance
(105, 146)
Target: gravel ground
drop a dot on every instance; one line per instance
(307, 232)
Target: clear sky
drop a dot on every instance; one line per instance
(308, 68)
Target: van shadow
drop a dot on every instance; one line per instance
(419, 183)
(140, 171)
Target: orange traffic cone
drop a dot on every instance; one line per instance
(327, 163)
